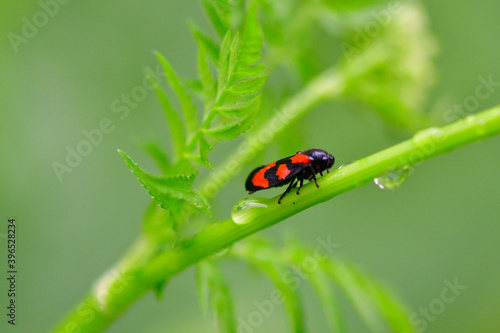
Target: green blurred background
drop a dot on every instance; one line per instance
(443, 223)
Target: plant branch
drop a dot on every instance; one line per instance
(424, 145)
(93, 316)
(95, 313)
(149, 264)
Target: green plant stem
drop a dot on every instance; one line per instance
(424, 145)
(89, 316)
(120, 284)
(203, 126)
(92, 317)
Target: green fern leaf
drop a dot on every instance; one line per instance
(231, 130)
(369, 299)
(388, 305)
(223, 64)
(233, 54)
(356, 293)
(213, 289)
(328, 299)
(195, 87)
(203, 285)
(349, 6)
(173, 120)
(232, 90)
(321, 284)
(215, 17)
(261, 255)
(158, 156)
(251, 43)
(248, 71)
(204, 149)
(206, 78)
(239, 109)
(248, 86)
(171, 192)
(211, 47)
(187, 106)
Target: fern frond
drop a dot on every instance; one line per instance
(171, 192)
(214, 291)
(173, 120)
(185, 100)
(263, 256)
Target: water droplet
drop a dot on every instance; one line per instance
(246, 210)
(223, 252)
(476, 124)
(344, 164)
(392, 180)
(433, 134)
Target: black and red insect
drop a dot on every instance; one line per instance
(290, 170)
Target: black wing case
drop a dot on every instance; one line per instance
(275, 174)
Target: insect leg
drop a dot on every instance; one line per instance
(314, 177)
(287, 190)
(301, 181)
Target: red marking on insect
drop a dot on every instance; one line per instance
(259, 178)
(282, 171)
(300, 158)
(290, 170)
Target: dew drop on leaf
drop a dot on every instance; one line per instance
(392, 180)
(475, 123)
(222, 252)
(432, 134)
(345, 164)
(246, 210)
